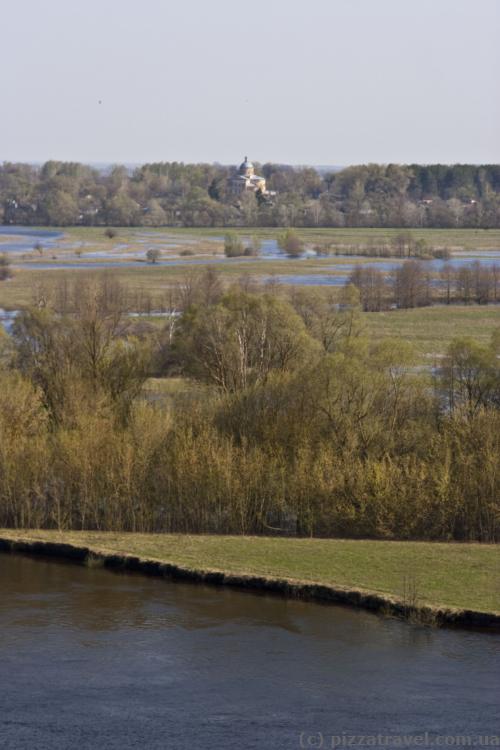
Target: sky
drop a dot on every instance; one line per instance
(323, 82)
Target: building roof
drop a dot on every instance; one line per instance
(252, 178)
(246, 164)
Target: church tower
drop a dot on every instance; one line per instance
(246, 168)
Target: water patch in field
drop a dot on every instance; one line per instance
(313, 279)
(7, 318)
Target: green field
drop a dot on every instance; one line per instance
(468, 239)
(463, 576)
(430, 329)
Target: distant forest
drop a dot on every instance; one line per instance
(197, 195)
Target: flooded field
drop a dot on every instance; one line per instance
(43, 249)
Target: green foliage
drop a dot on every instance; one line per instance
(176, 194)
(122, 210)
(239, 341)
(153, 255)
(293, 422)
(84, 354)
(290, 242)
(471, 375)
(60, 208)
(233, 245)
(329, 318)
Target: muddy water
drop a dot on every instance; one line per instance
(94, 659)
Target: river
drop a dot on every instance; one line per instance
(95, 659)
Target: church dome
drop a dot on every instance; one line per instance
(246, 165)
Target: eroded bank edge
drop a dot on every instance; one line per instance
(361, 599)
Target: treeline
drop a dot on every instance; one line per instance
(197, 195)
(415, 284)
(288, 421)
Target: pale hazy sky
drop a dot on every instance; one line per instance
(296, 81)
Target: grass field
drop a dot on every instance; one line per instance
(469, 239)
(430, 329)
(463, 576)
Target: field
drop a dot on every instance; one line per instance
(430, 329)
(88, 249)
(463, 576)
(468, 239)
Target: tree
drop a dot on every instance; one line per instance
(254, 247)
(470, 375)
(153, 255)
(374, 292)
(155, 215)
(464, 283)
(447, 277)
(123, 211)
(403, 244)
(290, 242)
(61, 209)
(5, 269)
(241, 340)
(233, 245)
(87, 350)
(196, 195)
(411, 285)
(328, 319)
(420, 248)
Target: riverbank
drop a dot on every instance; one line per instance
(436, 583)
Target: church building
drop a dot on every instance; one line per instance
(246, 180)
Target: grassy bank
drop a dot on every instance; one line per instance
(457, 576)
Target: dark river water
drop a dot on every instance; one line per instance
(94, 659)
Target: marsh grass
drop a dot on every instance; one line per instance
(94, 561)
(413, 606)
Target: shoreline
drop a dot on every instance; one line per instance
(290, 588)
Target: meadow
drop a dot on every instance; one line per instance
(430, 329)
(468, 239)
(461, 576)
